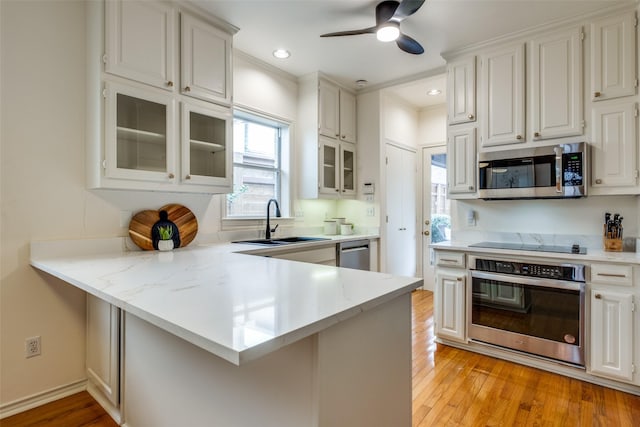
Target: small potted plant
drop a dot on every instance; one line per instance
(166, 238)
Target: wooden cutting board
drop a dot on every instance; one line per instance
(142, 222)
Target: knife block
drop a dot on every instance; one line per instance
(612, 245)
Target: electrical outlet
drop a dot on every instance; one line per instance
(32, 347)
(299, 214)
(371, 211)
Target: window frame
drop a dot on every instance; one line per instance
(284, 159)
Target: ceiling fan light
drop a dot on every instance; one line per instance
(388, 32)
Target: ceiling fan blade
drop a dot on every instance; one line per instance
(369, 30)
(385, 11)
(406, 8)
(409, 45)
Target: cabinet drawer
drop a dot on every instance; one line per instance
(612, 274)
(450, 259)
(325, 256)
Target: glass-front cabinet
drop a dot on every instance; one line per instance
(329, 164)
(348, 168)
(206, 150)
(138, 133)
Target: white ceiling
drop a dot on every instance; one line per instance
(439, 25)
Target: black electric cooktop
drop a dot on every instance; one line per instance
(575, 249)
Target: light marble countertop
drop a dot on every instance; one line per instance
(234, 305)
(592, 255)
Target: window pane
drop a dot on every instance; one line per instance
(252, 189)
(256, 167)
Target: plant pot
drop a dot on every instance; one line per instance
(165, 245)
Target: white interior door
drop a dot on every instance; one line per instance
(400, 212)
(436, 218)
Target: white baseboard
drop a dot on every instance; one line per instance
(39, 399)
(110, 408)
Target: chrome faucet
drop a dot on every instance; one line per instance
(267, 234)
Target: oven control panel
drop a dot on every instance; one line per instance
(572, 272)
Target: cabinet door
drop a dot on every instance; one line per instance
(103, 347)
(206, 145)
(614, 144)
(329, 168)
(347, 117)
(206, 61)
(461, 161)
(461, 91)
(328, 110)
(139, 134)
(450, 304)
(556, 85)
(503, 96)
(348, 168)
(140, 40)
(613, 57)
(611, 346)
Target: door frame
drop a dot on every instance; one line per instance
(422, 257)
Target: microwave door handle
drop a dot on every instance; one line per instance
(559, 180)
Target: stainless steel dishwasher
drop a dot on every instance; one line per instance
(354, 254)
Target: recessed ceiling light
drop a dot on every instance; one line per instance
(434, 92)
(281, 53)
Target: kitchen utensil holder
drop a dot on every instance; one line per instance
(612, 245)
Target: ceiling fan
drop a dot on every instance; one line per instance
(389, 15)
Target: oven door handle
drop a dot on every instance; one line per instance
(539, 282)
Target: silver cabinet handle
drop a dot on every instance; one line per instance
(612, 275)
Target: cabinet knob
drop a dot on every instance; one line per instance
(459, 279)
(187, 177)
(598, 296)
(470, 116)
(471, 187)
(337, 135)
(536, 134)
(344, 136)
(597, 95)
(426, 232)
(170, 83)
(344, 190)
(187, 89)
(598, 181)
(171, 176)
(337, 190)
(518, 137)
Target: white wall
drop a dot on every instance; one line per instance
(432, 125)
(399, 121)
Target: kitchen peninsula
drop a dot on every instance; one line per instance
(209, 336)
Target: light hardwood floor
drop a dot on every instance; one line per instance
(451, 387)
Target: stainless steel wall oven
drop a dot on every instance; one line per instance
(535, 308)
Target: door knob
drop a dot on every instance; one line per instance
(426, 232)
(426, 222)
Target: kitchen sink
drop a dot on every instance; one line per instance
(282, 241)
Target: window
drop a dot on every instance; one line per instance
(260, 161)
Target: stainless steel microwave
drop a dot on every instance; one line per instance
(555, 171)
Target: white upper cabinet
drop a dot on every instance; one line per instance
(140, 42)
(347, 116)
(613, 57)
(614, 146)
(461, 91)
(139, 134)
(146, 129)
(556, 85)
(336, 112)
(206, 145)
(461, 162)
(328, 110)
(503, 86)
(205, 60)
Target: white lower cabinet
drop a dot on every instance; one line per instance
(450, 304)
(103, 354)
(611, 347)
